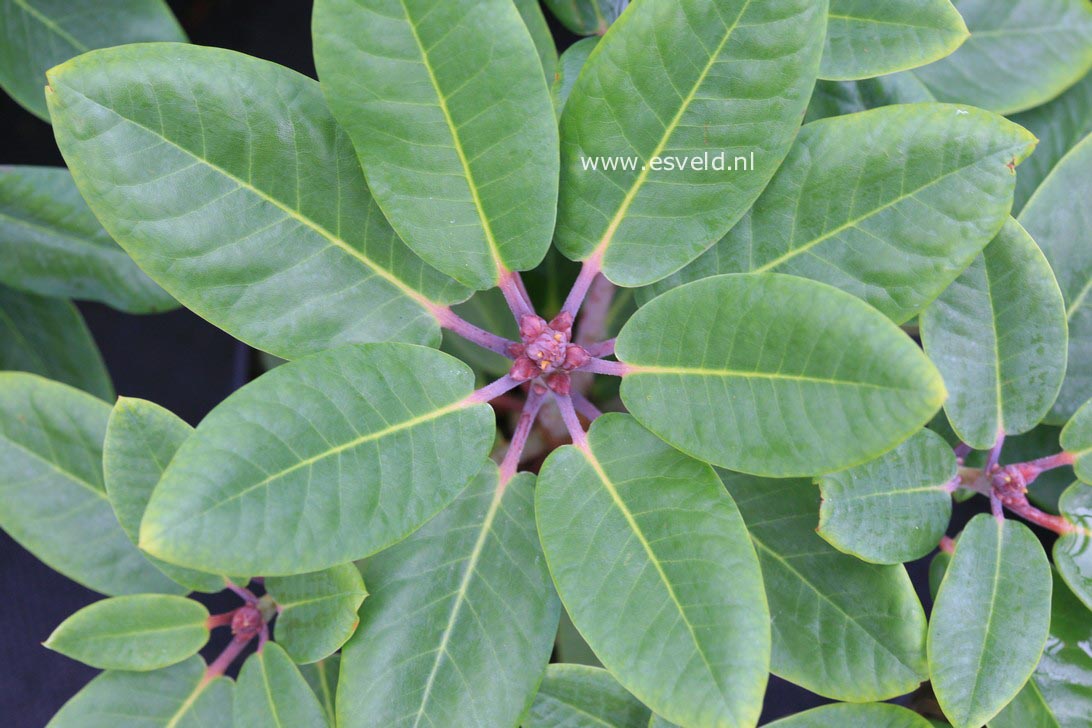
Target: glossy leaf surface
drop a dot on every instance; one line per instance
(182, 153)
(461, 621)
(48, 337)
(1060, 220)
(990, 620)
(1051, 38)
(848, 715)
(51, 244)
(1076, 439)
(446, 103)
(531, 12)
(894, 508)
(1064, 674)
(736, 83)
(1027, 710)
(774, 375)
(568, 69)
(138, 632)
(656, 569)
(316, 611)
(52, 497)
(998, 337)
(817, 592)
(36, 35)
(322, 677)
(867, 38)
(1073, 550)
(889, 205)
(321, 461)
(271, 692)
(574, 696)
(585, 17)
(175, 697)
(141, 438)
(1059, 125)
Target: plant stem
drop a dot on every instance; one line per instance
(1057, 524)
(535, 397)
(219, 620)
(584, 406)
(602, 366)
(220, 665)
(996, 507)
(515, 293)
(243, 593)
(592, 325)
(494, 390)
(572, 422)
(588, 272)
(475, 335)
(601, 348)
(947, 545)
(1059, 460)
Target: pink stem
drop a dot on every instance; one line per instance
(996, 506)
(947, 545)
(263, 636)
(494, 390)
(515, 294)
(220, 620)
(591, 268)
(1053, 461)
(535, 397)
(601, 348)
(584, 406)
(602, 366)
(243, 593)
(485, 339)
(592, 325)
(220, 665)
(572, 422)
(1058, 524)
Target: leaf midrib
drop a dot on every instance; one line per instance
(460, 599)
(335, 240)
(631, 195)
(879, 21)
(472, 185)
(639, 369)
(989, 615)
(87, 485)
(52, 25)
(601, 474)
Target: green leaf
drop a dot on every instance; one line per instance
(938, 567)
(774, 375)
(1027, 710)
(990, 620)
(176, 697)
(585, 17)
(51, 244)
(272, 692)
(1060, 220)
(141, 438)
(894, 508)
(322, 677)
(48, 337)
(451, 118)
(1064, 674)
(817, 592)
(182, 153)
(575, 696)
(998, 337)
(835, 98)
(461, 621)
(36, 35)
(317, 611)
(531, 12)
(735, 84)
(52, 497)
(1052, 40)
(321, 461)
(652, 560)
(879, 205)
(1059, 126)
(139, 632)
(1076, 439)
(1073, 549)
(848, 715)
(867, 38)
(568, 69)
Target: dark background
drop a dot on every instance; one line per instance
(188, 366)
